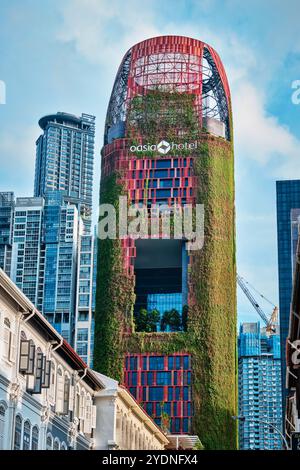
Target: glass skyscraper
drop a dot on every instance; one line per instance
(61, 231)
(85, 298)
(44, 250)
(45, 241)
(288, 199)
(7, 202)
(44, 256)
(28, 255)
(65, 160)
(259, 388)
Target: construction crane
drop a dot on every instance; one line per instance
(271, 322)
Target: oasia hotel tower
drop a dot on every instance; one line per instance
(165, 323)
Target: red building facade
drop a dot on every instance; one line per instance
(168, 143)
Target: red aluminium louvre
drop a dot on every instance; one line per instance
(171, 376)
(160, 82)
(173, 64)
(173, 45)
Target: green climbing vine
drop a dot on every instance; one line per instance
(114, 306)
(211, 324)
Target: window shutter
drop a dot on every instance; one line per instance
(87, 427)
(31, 358)
(30, 383)
(6, 340)
(24, 356)
(94, 416)
(52, 383)
(46, 375)
(13, 348)
(39, 373)
(67, 385)
(71, 398)
(82, 406)
(59, 405)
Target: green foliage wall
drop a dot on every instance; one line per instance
(114, 294)
(211, 331)
(211, 334)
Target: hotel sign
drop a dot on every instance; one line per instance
(163, 147)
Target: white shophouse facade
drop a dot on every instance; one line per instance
(46, 390)
(125, 423)
(50, 399)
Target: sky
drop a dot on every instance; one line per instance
(63, 56)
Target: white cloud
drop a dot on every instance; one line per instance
(17, 150)
(103, 30)
(260, 136)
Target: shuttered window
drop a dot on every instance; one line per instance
(87, 428)
(66, 395)
(24, 356)
(26, 435)
(59, 404)
(9, 341)
(2, 426)
(77, 402)
(46, 374)
(35, 438)
(37, 363)
(18, 433)
(49, 442)
(82, 405)
(52, 383)
(27, 356)
(56, 445)
(94, 416)
(71, 398)
(40, 363)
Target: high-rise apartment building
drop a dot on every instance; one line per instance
(288, 199)
(44, 249)
(44, 256)
(7, 203)
(43, 239)
(260, 400)
(167, 313)
(85, 297)
(28, 254)
(62, 228)
(65, 160)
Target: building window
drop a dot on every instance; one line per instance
(56, 444)
(59, 402)
(35, 438)
(82, 405)
(52, 383)
(156, 363)
(66, 394)
(163, 378)
(2, 426)
(63, 446)
(49, 444)
(77, 402)
(26, 435)
(18, 433)
(9, 341)
(156, 393)
(88, 415)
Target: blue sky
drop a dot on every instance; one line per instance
(63, 56)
